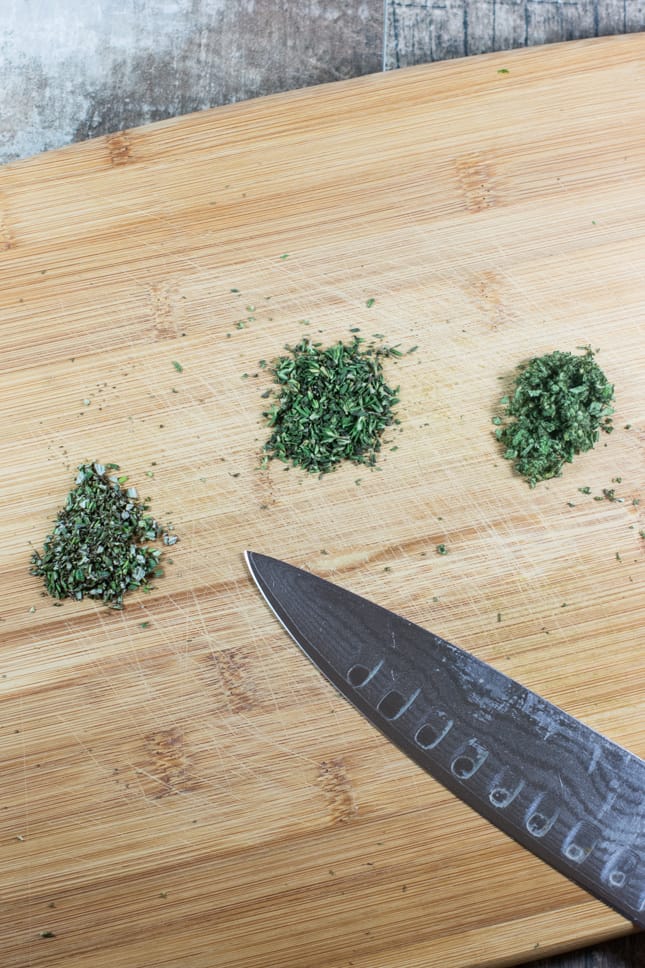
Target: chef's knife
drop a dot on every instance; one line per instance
(564, 791)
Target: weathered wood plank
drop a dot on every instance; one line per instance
(418, 31)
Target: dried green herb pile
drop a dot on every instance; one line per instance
(97, 546)
(560, 404)
(334, 405)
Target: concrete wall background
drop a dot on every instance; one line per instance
(73, 69)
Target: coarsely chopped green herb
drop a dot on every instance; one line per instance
(441, 549)
(560, 403)
(178, 366)
(97, 546)
(333, 406)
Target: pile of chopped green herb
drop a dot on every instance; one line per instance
(96, 547)
(334, 405)
(560, 404)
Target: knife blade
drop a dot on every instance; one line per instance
(568, 794)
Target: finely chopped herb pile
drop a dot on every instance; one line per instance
(97, 545)
(560, 404)
(334, 405)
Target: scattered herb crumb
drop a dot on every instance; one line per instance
(609, 494)
(503, 70)
(47, 934)
(370, 302)
(560, 404)
(178, 366)
(441, 549)
(98, 546)
(334, 405)
(618, 558)
(585, 490)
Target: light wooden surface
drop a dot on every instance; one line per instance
(192, 793)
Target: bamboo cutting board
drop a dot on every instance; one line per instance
(180, 787)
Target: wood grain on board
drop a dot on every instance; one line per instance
(189, 791)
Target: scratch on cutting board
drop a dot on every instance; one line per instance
(7, 236)
(334, 780)
(119, 147)
(475, 178)
(163, 296)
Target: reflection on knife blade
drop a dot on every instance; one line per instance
(564, 791)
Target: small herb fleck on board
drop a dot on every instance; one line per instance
(98, 547)
(561, 402)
